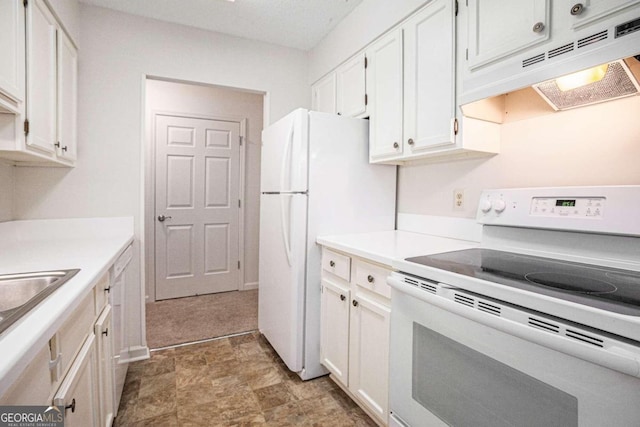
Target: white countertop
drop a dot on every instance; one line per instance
(91, 244)
(386, 246)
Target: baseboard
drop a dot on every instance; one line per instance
(135, 354)
(249, 286)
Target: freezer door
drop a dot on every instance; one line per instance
(283, 219)
(284, 154)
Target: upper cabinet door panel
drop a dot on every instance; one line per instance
(67, 97)
(12, 78)
(324, 95)
(585, 12)
(498, 29)
(429, 77)
(351, 87)
(384, 87)
(41, 111)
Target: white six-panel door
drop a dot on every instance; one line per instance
(197, 205)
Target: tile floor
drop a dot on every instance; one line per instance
(235, 381)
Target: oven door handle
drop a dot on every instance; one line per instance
(612, 357)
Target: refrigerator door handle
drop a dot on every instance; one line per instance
(285, 157)
(286, 228)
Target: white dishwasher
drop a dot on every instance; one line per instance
(118, 278)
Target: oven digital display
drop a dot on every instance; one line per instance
(565, 202)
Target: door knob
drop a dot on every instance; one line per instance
(161, 218)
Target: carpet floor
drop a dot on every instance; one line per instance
(181, 320)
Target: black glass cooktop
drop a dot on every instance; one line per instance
(601, 287)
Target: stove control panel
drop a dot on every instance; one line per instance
(601, 209)
(582, 207)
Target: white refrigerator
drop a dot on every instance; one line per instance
(315, 180)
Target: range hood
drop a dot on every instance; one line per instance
(602, 83)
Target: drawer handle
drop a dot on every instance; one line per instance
(342, 297)
(53, 363)
(332, 264)
(108, 289)
(355, 303)
(106, 332)
(370, 279)
(72, 406)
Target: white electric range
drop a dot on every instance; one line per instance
(539, 326)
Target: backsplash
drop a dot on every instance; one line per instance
(7, 180)
(596, 145)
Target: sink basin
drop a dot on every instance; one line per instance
(19, 293)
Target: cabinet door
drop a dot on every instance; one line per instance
(369, 355)
(384, 89)
(12, 78)
(78, 393)
(498, 29)
(429, 77)
(67, 97)
(104, 338)
(334, 329)
(41, 77)
(324, 95)
(33, 386)
(584, 12)
(351, 87)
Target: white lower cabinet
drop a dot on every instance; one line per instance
(354, 341)
(104, 337)
(79, 392)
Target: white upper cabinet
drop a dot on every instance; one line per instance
(429, 78)
(12, 39)
(498, 29)
(67, 98)
(323, 95)
(385, 89)
(585, 12)
(41, 80)
(351, 88)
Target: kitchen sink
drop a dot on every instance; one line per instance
(19, 293)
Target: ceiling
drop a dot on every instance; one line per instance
(299, 24)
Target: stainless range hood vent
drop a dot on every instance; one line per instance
(617, 82)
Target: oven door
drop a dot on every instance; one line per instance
(446, 369)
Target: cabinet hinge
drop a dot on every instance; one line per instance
(239, 203)
(466, 54)
(366, 62)
(456, 7)
(25, 3)
(241, 139)
(366, 99)
(455, 126)
(26, 127)
(238, 265)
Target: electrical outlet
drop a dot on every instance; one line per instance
(458, 199)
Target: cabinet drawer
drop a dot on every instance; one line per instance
(373, 277)
(338, 264)
(74, 331)
(101, 291)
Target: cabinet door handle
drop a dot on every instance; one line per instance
(57, 144)
(396, 145)
(72, 406)
(106, 332)
(332, 264)
(410, 141)
(577, 9)
(64, 148)
(370, 279)
(538, 27)
(342, 297)
(108, 289)
(355, 303)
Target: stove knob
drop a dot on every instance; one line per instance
(499, 205)
(485, 205)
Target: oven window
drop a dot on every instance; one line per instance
(466, 388)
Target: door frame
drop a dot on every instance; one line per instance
(150, 192)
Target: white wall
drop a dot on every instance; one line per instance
(7, 182)
(596, 145)
(68, 12)
(221, 102)
(117, 50)
(363, 25)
